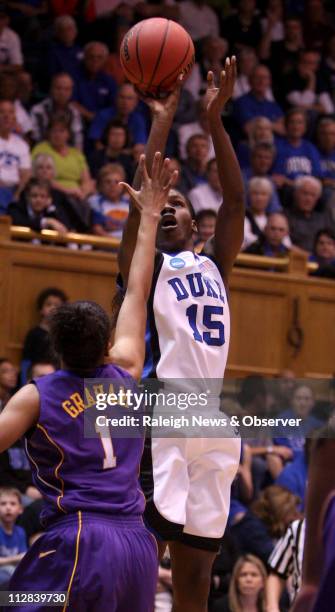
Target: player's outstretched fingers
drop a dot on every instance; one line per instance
(171, 181)
(156, 164)
(210, 80)
(165, 172)
(133, 194)
(143, 169)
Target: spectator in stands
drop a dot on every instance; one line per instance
(213, 51)
(326, 146)
(44, 169)
(59, 102)
(11, 58)
(247, 587)
(206, 221)
(198, 19)
(256, 104)
(15, 162)
(303, 219)
(208, 194)
(324, 253)
(109, 206)
(293, 476)
(115, 150)
(13, 543)
(94, 88)
(37, 210)
(305, 86)
(272, 22)
(125, 111)
(260, 131)
(329, 63)
(113, 65)
(257, 529)
(246, 64)
(301, 407)
(8, 380)
(194, 168)
(9, 89)
(259, 194)
(64, 54)
(200, 126)
(242, 29)
(72, 174)
(317, 26)
(272, 243)
(37, 346)
(25, 89)
(282, 55)
(261, 161)
(296, 156)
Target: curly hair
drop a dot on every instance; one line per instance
(80, 333)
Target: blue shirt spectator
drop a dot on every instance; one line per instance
(294, 478)
(127, 112)
(294, 160)
(256, 103)
(64, 54)
(94, 89)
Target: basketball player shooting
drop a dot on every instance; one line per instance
(95, 547)
(187, 481)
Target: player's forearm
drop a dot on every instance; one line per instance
(228, 167)
(157, 142)
(142, 265)
(320, 484)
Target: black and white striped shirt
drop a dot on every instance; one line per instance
(286, 558)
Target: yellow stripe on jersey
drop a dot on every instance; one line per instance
(57, 467)
(75, 561)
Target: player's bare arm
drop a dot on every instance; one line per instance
(230, 223)
(163, 112)
(19, 415)
(129, 347)
(321, 485)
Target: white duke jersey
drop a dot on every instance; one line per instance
(188, 325)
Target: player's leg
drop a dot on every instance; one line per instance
(212, 465)
(191, 571)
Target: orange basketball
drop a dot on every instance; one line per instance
(154, 52)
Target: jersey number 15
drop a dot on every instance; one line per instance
(214, 337)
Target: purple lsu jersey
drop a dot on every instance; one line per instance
(71, 470)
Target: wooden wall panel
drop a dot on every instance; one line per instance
(265, 306)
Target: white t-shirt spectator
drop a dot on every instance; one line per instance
(14, 156)
(198, 21)
(185, 132)
(10, 48)
(203, 197)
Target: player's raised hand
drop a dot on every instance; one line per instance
(217, 97)
(151, 197)
(164, 108)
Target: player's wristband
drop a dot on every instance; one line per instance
(269, 450)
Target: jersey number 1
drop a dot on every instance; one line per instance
(216, 339)
(107, 445)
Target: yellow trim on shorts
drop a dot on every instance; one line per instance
(57, 467)
(75, 561)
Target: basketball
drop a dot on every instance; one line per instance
(154, 52)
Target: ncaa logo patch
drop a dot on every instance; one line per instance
(177, 262)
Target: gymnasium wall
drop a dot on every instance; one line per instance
(279, 320)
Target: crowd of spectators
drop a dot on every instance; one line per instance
(65, 105)
(72, 128)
